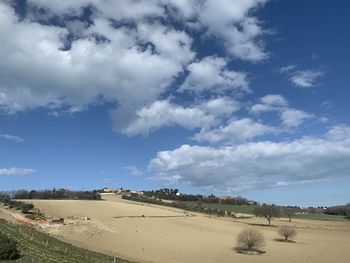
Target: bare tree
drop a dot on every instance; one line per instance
(289, 212)
(267, 211)
(250, 240)
(287, 232)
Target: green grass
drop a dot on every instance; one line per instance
(36, 247)
(321, 216)
(246, 209)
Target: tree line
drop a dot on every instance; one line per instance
(173, 194)
(58, 194)
(343, 210)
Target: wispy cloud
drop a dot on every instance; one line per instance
(133, 170)
(290, 117)
(302, 78)
(13, 138)
(16, 171)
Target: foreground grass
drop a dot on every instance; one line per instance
(37, 247)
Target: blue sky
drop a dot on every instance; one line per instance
(224, 97)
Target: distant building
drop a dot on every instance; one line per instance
(225, 197)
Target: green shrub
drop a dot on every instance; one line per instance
(8, 248)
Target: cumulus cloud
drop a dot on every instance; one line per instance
(270, 102)
(127, 54)
(234, 132)
(133, 170)
(257, 165)
(40, 72)
(229, 21)
(232, 22)
(290, 118)
(164, 113)
(302, 78)
(13, 138)
(211, 75)
(16, 171)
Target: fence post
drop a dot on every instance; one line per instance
(115, 260)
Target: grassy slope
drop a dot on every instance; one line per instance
(225, 207)
(245, 209)
(37, 247)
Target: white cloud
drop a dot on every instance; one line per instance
(302, 78)
(290, 118)
(164, 113)
(211, 75)
(231, 21)
(120, 10)
(133, 170)
(271, 102)
(236, 131)
(16, 171)
(257, 165)
(274, 100)
(119, 70)
(293, 118)
(13, 138)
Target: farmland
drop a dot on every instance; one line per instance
(152, 233)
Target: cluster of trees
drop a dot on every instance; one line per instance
(272, 211)
(24, 207)
(60, 193)
(8, 248)
(173, 194)
(343, 210)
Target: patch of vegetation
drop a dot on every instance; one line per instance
(36, 246)
(8, 248)
(57, 194)
(268, 212)
(250, 241)
(320, 216)
(244, 209)
(180, 205)
(287, 232)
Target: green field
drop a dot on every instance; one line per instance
(321, 216)
(248, 209)
(37, 247)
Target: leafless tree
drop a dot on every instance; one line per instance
(251, 240)
(287, 232)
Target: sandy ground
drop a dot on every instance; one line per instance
(149, 233)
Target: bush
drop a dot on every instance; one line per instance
(287, 232)
(250, 240)
(8, 248)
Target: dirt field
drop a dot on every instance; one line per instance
(149, 233)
